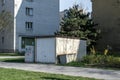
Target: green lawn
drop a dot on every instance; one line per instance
(11, 54)
(13, 74)
(18, 60)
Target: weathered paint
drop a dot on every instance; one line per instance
(67, 46)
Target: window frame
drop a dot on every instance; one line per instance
(3, 2)
(29, 0)
(29, 25)
(29, 11)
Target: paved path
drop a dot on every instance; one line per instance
(2, 57)
(74, 71)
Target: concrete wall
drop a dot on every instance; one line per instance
(67, 46)
(82, 51)
(7, 31)
(74, 49)
(107, 14)
(66, 58)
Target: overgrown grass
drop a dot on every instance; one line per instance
(110, 54)
(18, 60)
(97, 61)
(13, 74)
(74, 64)
(11, 54)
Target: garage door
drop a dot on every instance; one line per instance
(45, 52)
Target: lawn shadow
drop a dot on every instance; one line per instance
(16, 60)
(52, 78)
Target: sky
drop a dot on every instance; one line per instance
(65, 4)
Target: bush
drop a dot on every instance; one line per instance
(113, 61)
(102, 61)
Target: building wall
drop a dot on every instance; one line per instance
(7, 31)
(107, 14)
(75, 49)
(45, 18)
(67, 46)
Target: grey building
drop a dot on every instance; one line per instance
(30, 18)
(107, 14)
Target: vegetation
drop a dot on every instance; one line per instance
(11, 54)
(12, 74)
(98, 61)
(18, 60)
(102, 61)
(77, 23)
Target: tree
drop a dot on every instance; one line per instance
(76, 23)
(5, 19)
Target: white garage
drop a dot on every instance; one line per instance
(51, 49)
(45, 50)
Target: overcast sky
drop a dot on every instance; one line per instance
(65, 4)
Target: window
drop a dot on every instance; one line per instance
(3, 2)
(27, 41)
(29, 25)
(3, 11)
(29, 0)
(29, 11)
(2, 40)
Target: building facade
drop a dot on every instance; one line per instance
(107, 14)
(30, 18)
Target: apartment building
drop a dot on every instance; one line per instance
(30, 18)
(107, 14)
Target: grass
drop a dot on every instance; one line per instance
(13, 74)
(97, 61)
(80, 64)
(11, 54)
(74, 64)
(18, 60)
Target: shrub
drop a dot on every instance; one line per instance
(89, 59)
(102, 60)
(113, 62)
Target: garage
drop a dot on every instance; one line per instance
(45, 50)
(52, 49)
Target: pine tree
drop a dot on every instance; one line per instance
(76, 23)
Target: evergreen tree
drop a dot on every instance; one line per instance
(76, 23)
